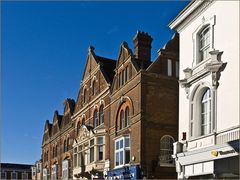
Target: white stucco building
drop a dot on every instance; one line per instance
(208, 145)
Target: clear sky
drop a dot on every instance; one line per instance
(43, 52)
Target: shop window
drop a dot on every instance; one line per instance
(166, 151)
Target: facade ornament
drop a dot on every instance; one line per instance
(215, 67)
(184, 82)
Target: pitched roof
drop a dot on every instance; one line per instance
(107, 66)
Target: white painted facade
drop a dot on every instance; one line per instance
(218, 72)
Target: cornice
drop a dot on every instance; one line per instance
(190, 14)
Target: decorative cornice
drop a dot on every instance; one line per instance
(214, 68)
(189, 18)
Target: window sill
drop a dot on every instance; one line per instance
(200, 137)
(120, 166)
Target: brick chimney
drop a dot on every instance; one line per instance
(142, 48)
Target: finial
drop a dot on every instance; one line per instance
(91, 49)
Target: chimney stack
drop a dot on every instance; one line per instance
(142, 48)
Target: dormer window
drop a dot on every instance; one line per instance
(204, 43)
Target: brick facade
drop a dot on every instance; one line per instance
(139, 99)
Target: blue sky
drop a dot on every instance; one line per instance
(43, 51)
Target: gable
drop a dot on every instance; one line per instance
(124, 54)
(91, 63)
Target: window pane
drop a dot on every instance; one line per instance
(100, 153)
(126, 117)
(117, 145)
(121, 157)
(121, 144)
(117, 159)
(92, 142)
(91, 154)
(127, 142)
(127, 156)
(100, 140)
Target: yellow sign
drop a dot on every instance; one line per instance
(214, 153)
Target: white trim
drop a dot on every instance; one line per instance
(195, 38)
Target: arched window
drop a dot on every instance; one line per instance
(166, 151)
(93, 87)
(85, 95)
(204, 43)
(126, 116)
(206, 112)
(101, 114)
(121, 122)
(78, 127)
(95, 118)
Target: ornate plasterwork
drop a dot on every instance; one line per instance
(214, 67)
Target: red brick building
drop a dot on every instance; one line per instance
(125, 118)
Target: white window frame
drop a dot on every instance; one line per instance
(207, 101)
(195, 38)
(195, 108)
(122, 150)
